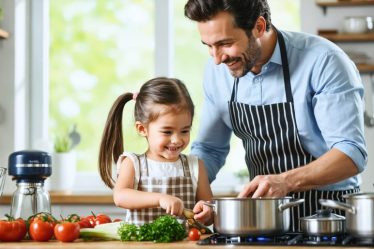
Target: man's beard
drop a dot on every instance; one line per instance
(248, 58)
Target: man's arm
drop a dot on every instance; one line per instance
(332, 167)
(212, 144)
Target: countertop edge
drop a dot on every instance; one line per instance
(70, 198)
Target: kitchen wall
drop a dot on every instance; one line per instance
(313, 19)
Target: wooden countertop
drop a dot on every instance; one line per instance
(78, 244)
(70, 198)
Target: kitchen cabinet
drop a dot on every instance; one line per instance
(3, 34)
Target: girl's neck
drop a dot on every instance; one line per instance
(149, 155)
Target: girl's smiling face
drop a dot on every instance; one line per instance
(167, 136)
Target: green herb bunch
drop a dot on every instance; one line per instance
(166, 228)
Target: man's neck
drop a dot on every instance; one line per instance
(268, 43)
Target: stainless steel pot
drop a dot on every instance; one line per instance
(257, 216)
(324, 222)
(359, 213)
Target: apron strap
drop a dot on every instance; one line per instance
(235, 90)
(286, 72)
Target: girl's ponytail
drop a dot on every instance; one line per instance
(111, 146)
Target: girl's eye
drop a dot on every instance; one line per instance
(166, 132)
(186, 131)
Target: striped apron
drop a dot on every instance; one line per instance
(272, 144)
(180, 187)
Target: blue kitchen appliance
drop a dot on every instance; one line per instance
(30, 168)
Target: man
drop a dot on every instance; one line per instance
(294, 99)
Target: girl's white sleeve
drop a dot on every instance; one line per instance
(135, 162)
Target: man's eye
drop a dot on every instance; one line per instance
(225, 44)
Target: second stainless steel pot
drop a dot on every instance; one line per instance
(257, 216)
(324, 222)
(359, 213)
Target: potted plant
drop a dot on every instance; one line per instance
(63, 164)
(62, 144)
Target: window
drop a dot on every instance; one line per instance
(96, 54)
(100, 49)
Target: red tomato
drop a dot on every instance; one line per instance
(117, 219)
(67, 231)
(194, 234)
(84, 223)
(41, 230)
(43, 216)
(12, 230)
(99, 219)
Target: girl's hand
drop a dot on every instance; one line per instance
(171, 204)
(203, 213)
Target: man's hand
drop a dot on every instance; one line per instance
(203, 213)
(171, 204)
(265, 186)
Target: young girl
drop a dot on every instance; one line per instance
(162, 180)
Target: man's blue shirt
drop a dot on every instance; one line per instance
(328, 99)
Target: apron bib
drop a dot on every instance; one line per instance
(180, 187)
(272, 144)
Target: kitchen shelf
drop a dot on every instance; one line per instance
(345, 3)
(3, 34)
(343, 37)
(365, 68)
(342, 3)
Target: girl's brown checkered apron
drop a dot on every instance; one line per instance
(180, 187)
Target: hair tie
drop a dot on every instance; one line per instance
(135, 95)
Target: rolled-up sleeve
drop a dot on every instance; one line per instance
(338, 106)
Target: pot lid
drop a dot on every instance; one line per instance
(323, 215)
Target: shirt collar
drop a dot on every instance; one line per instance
(276, 57)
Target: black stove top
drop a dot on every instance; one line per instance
(288, 239)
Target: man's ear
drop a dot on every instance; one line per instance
(260, 27)
(140, 128)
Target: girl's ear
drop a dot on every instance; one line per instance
(141, 129)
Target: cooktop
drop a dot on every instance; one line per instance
(288, 239)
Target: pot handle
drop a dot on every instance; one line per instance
(338, 205)
(212, 205)
(283, 207)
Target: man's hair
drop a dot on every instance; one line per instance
(245, 12)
